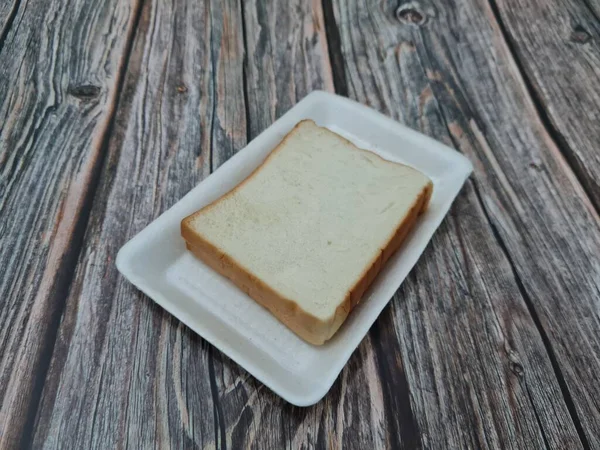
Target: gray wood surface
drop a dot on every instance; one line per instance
(8, 10)
(559, 52)
(492, 341)
(59, 76)
(287, 57)
(440, 319)
(530, 197)
(148, 380)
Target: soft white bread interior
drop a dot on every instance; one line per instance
(307, 232)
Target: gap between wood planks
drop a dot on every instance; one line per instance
(244, 65)
(591, 8)
(559, 141)
(537, 102)
(9, 22)
(538, 324)
(66, 271)
(336, 60)
(337, 65)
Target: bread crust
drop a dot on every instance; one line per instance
(310, 328)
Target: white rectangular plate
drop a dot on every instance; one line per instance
(156, 260)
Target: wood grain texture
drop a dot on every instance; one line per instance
(478, 370)
(287, 58)
(130, 393)
(492, 341)
(8, 11)
(559, 51)
(593, 7)
(445, 69)
(124, 373)
(59, 78)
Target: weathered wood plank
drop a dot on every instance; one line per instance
(558, 48)
(59, 77)
(287, 58)
(8, 10)
(243, 412)
(594, 8)
(381, 404)
(124, 373)
(445, 69)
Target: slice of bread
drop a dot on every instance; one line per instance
(307, 232)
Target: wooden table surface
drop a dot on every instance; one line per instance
(111, 110)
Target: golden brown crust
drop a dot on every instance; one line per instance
(308, 327)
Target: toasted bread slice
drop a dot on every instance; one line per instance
(307, 232)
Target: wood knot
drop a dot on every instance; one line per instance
(84, 92)
(411, 14)
(536, 166)
(517, 369)
(580, 35)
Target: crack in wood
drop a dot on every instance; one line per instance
(435, 43)
(9, 22)
(517, 368)
(551, 129)
(537, 417)
(244, 73)
(397, 399)
(580, 35)
(219, 418)
(334, 44)
(591, 9)
(84, 92)
(213, 119)
(68, 263)
(538, 324)
(553, 132)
